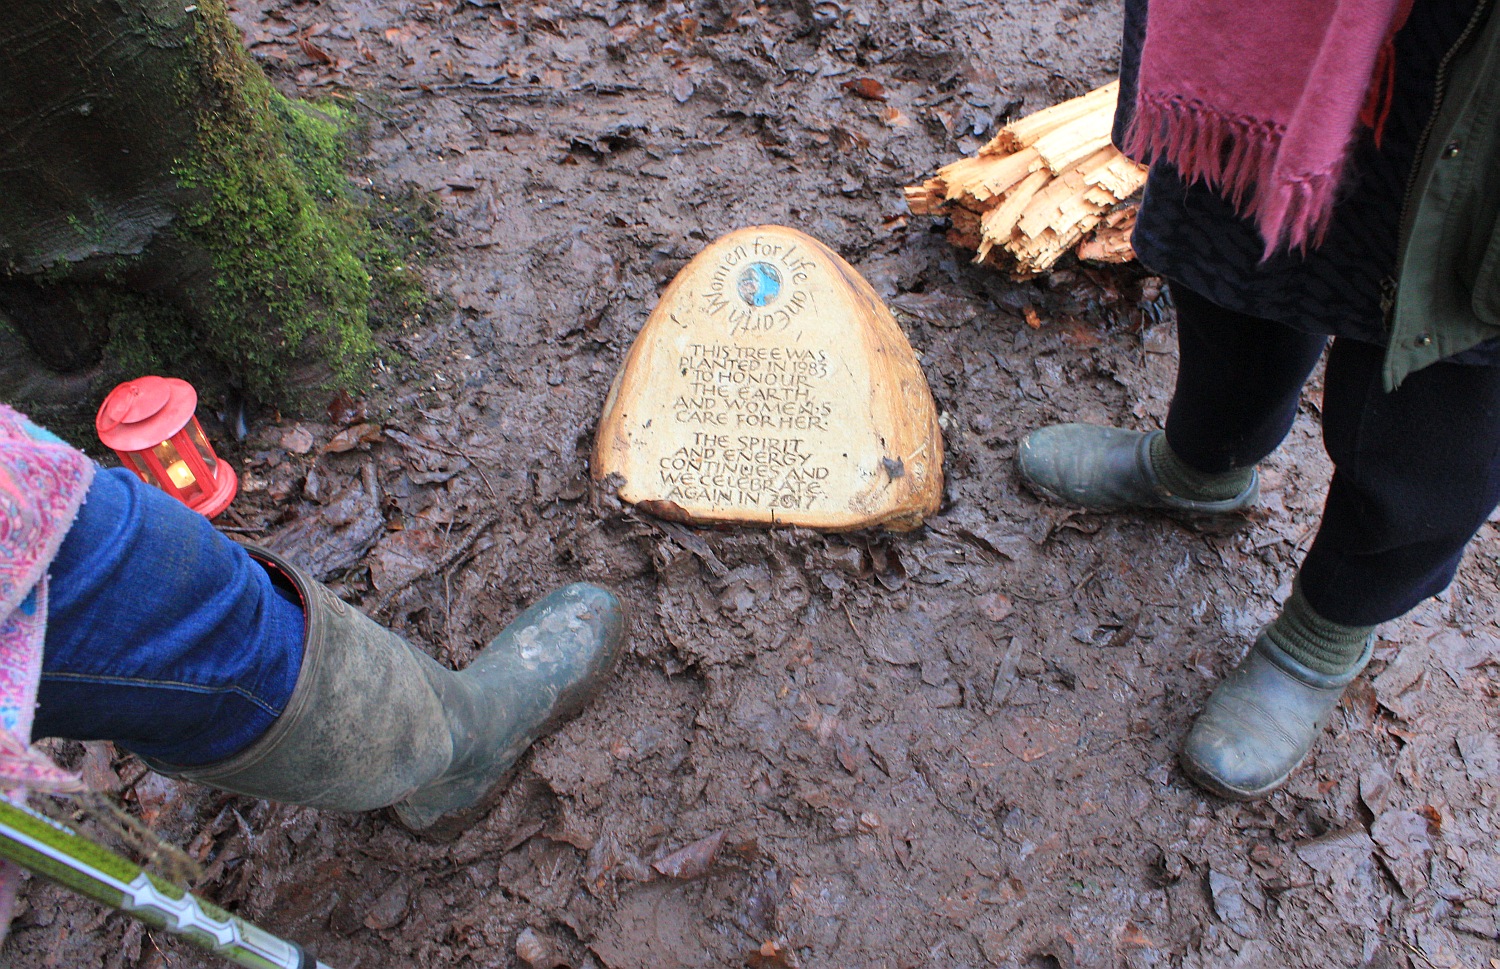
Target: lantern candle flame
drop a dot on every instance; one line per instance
(180, 475)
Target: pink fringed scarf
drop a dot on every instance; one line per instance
(1262, 101)
(42, 486)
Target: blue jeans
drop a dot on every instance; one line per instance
(162, 635)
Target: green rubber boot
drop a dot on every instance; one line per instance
(375, 722)
(1260, 723)
(1107, 468)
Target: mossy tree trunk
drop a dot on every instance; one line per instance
(162, 206)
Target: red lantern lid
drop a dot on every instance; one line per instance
(140, 414)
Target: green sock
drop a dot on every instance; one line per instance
(1190, 483)
(1315, 642)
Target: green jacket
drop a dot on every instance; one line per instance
(1447, 292)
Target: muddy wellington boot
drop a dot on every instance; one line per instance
(1107, 468)
(1260, 723)
(374, 721)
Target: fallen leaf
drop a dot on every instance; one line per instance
(1079, 334)
(1231, 905)
(1405, 843)
(298, 440)
(336, 536)
(865, 87)
(848, 140)
(1375, 788)
(1337, 853)
(939, 309)
(538, 951)
(1398, 679)
(1459, 653)
(772, 955)
(317, 53)
(692, 861)
(1032, 319)
(895, 118)
(898, 650)
(352, 437)
(402, 556)
(995, 607)
(1481, 755)
(1032, 738)
(389, 909)
(344, 409)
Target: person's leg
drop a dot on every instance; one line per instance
(1416, 472)
(235, 668)
(1239, 380)
(162, 635)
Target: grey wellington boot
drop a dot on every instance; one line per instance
(1107, 468)
(1260, 723)
(374, 721)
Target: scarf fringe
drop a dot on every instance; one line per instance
(1236, 157)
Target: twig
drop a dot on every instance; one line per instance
(449, 449)
(529, 95)
(448, 561)
(458, 452)
(693, 543)
(852, 628)
(448, 611)
(386, 118)
(1419, 954)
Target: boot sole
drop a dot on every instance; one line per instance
(449, 826)
(1213, 521)
(1191, 516)
(1213, 785)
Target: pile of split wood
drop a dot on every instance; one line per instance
(1045, 184)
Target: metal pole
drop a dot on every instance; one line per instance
(38, 843)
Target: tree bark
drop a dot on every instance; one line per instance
(162, 206)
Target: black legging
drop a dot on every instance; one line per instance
(1416, 471)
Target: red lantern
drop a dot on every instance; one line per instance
(150, 424)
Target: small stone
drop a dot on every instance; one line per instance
(537, 951)
(389, 909)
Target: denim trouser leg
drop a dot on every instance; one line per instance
(162, 635)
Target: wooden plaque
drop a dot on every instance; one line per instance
(771, 386)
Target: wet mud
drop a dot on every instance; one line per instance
(954, 747)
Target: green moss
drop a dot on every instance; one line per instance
(398, 239)
(277, 266)
(391, 232)
(288, 311)
(317, 137)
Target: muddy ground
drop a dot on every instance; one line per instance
(948, 748)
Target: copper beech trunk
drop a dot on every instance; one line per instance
(152, 206)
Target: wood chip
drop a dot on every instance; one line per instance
(1044, 186)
